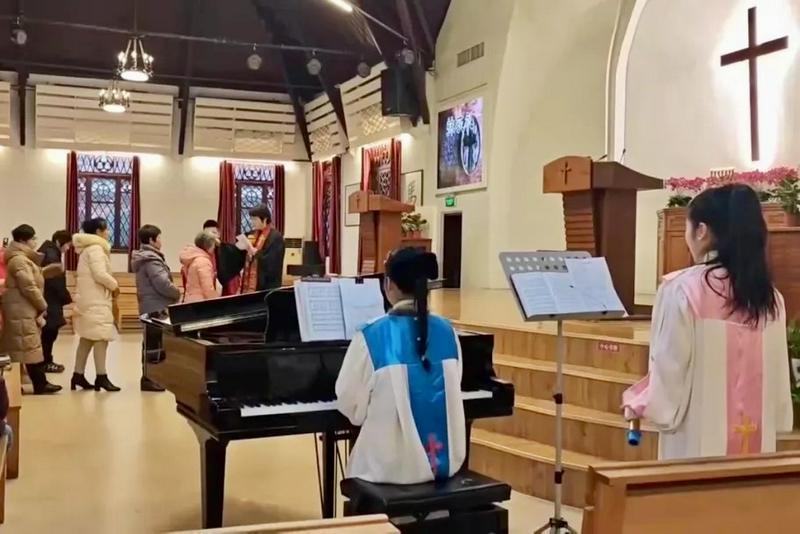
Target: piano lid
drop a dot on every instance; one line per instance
(224, 311)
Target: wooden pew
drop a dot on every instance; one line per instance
(365, 524)
(13, 378)
(732, 495)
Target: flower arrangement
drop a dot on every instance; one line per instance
(412, 224)
(765, 183)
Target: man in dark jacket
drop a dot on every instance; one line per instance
(264, 267)
(154, 291)
(228, 260)
(55, 293)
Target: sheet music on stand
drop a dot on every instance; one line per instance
(558, 285)
(331, 309)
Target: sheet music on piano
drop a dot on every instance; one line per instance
(333, 309)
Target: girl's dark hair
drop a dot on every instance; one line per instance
(733, 214)
(92, 226)
(410, 269)
(62, 237)
(23, 233)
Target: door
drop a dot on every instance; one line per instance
(451, 250)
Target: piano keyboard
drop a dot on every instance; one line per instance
(321, 406)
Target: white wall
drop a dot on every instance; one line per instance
(176, 194)
(685, 114)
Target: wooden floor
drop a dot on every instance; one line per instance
(603, 358)
(102, 463)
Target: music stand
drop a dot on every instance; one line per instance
(552, 262)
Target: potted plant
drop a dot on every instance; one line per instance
(787, 194)
(682, 190)
(793, 343)
(412, 225)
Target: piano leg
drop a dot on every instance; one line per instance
(328, 474)
(469, 441)
(212, 476)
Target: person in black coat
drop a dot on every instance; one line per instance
(55, 293)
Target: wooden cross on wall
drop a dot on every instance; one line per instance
(751, 54)
(565, 171)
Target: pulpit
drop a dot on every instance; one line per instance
(379, 230)
(600, 212)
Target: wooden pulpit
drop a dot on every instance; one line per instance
(733, 495)
(379, 231)
(600, 212)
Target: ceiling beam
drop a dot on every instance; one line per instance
(77, 70)
(299, 110)
(22, 91)
(426, 28)
(417, 70)
(182, 37)
(183, 94)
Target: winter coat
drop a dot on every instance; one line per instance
(198, 275)
(154, 288)
(94, 316)
(23, 304)
(2, 285)
(55, 285)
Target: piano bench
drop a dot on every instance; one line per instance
(464, 504)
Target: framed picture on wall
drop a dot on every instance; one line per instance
(412, 187)
(461, 164)
(350, 219)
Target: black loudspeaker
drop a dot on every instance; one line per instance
(397, 93)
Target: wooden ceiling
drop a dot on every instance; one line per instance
(82, 38)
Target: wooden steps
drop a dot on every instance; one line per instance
(585, 430)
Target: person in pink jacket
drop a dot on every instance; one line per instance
(199, 278)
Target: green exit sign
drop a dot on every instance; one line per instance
(450, 202)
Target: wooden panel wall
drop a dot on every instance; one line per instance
(327, 138)
(5, 113)
(361, 98)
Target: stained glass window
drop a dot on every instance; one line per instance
(105, 190)
(255, 185)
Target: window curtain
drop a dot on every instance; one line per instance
(226, 209)
(366, 168)
(73, 224)
(397, 165)
(317, 224)
(278, 217)
(336, 216)
(136, 212)
(371, 161)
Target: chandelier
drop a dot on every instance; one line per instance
(135, 65)
(114, 99)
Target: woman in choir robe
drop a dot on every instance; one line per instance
(264, 266)
(718, 380)
(401, 383)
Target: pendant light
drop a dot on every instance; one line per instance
(114, 99)
(135, 65)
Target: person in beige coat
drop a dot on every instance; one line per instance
(24, 307)
(94, 317)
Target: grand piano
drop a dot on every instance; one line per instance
(238, 370)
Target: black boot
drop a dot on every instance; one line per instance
(78, 380)
(145, 384)
(40, 384)
(102, 382)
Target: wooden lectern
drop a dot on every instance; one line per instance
(379, 231)
(733, 495)
(600, 212)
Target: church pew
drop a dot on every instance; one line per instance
(366, 524)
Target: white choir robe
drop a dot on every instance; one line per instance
(715, 386)
(392, 399)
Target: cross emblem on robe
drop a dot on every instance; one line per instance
(565, 171)
(751, 54)
(745, 429)
(432, 448)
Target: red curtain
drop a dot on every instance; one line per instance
(397, 166)
(136, 212)
(73, 224)
(318, 186)
(336, 216)
(226, 209)
(366, 168)
(278, 217)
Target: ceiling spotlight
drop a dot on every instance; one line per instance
(314, 66)
(254, 60)
(114, 99)
(406, 56)
(363, 69)
(344, 5)
(18, 34)
(135, 65)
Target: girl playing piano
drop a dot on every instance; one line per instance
(401, 383)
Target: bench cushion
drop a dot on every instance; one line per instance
(464, 490)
